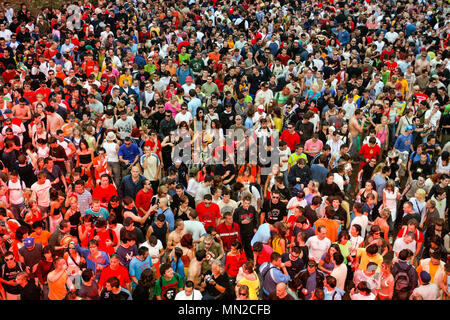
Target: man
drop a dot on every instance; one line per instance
(29, 290)
(106, 238)
(404, 141)
(55, 239)
(273, 273)
(329, 222)
(290, 136)
(426, 290)
(214, 250)
(169, 284)
(203, 189)
(59, 154)
(113, 291)
(176, 235)
(246, 217)
(189, 292)
(105, 190)
(138, 264)
(131, 184)
(331, 291)
(228, 231)
(368, 275)
(115, 269)
(58, 279)
(405, 276)
(273, 210)
(369, 151)
(129, 154)
(420, 168)
(405, 242)
(55, 174)
(311, 279)
(89, 288)
(319, 244)
(127, 249)
(30, 255)
(280, 293)
(8, 274)
(294, 261)
(84, 197)
(208, 212)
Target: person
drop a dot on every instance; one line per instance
(89, 289)
(96, 260)
(29, 290)
(405, 276)
(113, 291)
(319, 244)
(362, 292)
(426, 290)
(189, 292)
(9, 272)
(280, 293)
(58, 279)
(115, 269)
(138, 264)
(311, 279)
(331, 291)
(272, 273)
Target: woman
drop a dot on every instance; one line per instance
(177, 262)
(167, 146)
(369, 188)
(246, 178)
(215, 131)
(112, 150)
(391, 195)
(343, 241)
(55, 215)
(75, 264)
(356, 241)
(278, 240)
(443, 163)
(187, 246)
(248, 277)
(382, 222)
(86, 230)
(44, 267)
(326, 264)
(90, 138)
(173, 105)
(405, 120)
(183, 211)
(33, 214)
(145, 287)
(171, 91)
(76, 137)
(85, 155)
(419, 203)
(311, 191)
(243, 293)
(386, 281)
(199, 119)
(234, 260)
(73, 215)
(270, 181)
(382, 130)
(280, 97)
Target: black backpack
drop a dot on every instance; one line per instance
(402, 280)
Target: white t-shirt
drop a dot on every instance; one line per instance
(363, 221)
(433, 119)
(16, 191)
(196, 295)
(111, 151)
(428, 291)
(41, 192)
(187, 117)
(317, 247)
(400, 244)
(340, 273)
(195, 228)
(153, 251)
(359, 296)
(284, 155)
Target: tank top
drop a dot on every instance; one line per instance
(381, 135)
(276, 245)
(160, 233)
(111, 151)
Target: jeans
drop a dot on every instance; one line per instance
(16, 210)
(115, 172)
(285, 177)
(392, 137)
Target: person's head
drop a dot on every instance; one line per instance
(87, 275)
(321, 232)
(372, 250)
(9, 259)
(93, 247)
(217, 266)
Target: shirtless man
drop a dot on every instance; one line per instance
(356, 129)
(195, 268)
(176, 235)
(22, 110)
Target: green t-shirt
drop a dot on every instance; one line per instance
(212, 253)
(197, 65)
(345, 250)
(183, 57)
(209, 89)
(168, 289)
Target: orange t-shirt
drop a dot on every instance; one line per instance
(43, 238)
(331, 225)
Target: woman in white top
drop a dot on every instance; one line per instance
(112, 149)
(391, 195)
(404, 121)
(74, 265)
(443, 163)
(419, 203)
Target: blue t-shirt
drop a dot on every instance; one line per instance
(403, 143)
(102, 213)
(170, 218)
(129, 153)
(262, 234)
(92, 262)
(178, 267)
(138, 266)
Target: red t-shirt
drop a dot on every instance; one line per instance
(143, 200)
(404, 230)
(151, 143)
(291, 139)
(233, 263)
(229, 234)
(264, 255)
(208, 216)
(369, 152)
(121, 273)
(104, 194)
(105, 235)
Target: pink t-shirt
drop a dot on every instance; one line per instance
(169, 107)
(314, 146)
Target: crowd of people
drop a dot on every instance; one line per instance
(225, 150)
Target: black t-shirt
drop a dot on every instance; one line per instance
(274, 212)
(241, 214)
(223, 281)
(367, 171)
(109, 295)
(310, 214)
(10, 274)
(296, 265)
(30, 292)
(418, 168)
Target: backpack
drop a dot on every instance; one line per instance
(402, 280)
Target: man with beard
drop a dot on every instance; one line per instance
(273, 210)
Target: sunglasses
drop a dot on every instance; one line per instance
(243, 294)
(10, 259)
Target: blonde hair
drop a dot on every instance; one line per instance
(420, 195)
(385, 213)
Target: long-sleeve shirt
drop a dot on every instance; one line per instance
(271, 276)
(92, 262)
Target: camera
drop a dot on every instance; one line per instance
(208, 278)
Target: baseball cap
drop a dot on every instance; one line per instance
(409, 127)
(238, 117)
(425, 277)
(28, 242)
(261, 107)
(188, 78)
(7, 111)
(312, 263)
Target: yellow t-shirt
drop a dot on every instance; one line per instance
(57, 290)
(253, 287)
(365, 259)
